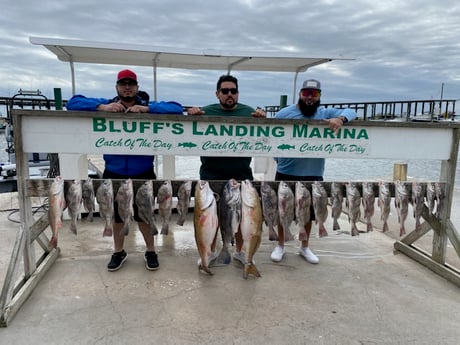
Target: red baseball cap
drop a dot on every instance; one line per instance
(126, 74)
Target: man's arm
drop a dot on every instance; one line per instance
(80, 102)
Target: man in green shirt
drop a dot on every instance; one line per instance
(225, 168)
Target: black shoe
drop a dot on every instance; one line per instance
(117, 261)
(151, 261)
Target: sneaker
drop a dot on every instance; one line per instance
(117, 261)
(277, 254)
(211, 260)
(151, 261)
(241, 257)
(308, 255)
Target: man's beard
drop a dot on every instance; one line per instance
(227, 106)
(308, 110)
(127, 99)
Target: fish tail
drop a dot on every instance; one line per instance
(181, 220)
(53, 242)
(153, 229)
(288, 235)
(205, 269)
(322, 230)
(354, 230)
(125, 229)
(335, 225)
(165, 229)
(90, 216)
(272, 235)
(224, 257)
(250, 268)
(385, 227)
(369, 227)
(73, 227)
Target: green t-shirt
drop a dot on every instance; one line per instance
(225, 168)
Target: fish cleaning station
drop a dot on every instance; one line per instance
(97, 133)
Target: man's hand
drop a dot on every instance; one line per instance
(137, 109)
(111, 107)
(259, 113)
(195, 111)
(335, 123)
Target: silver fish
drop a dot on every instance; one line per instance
(124, 198)
(229, 217)
(270, 209)
(251, 225)
(353, 203)
(88, 197)
(104, 198)
(418, 201)
(368, 201)
(302, 208)
(319, 200)
(183, 201)
(57, 204)
(164, 199)
(336, 203)
(145, 202)
(286, 209)
(402, 205)
(440, 196)
(205, 222)
(74, 200)
(431, 196)
(384, 202)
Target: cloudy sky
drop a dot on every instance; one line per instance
(402, 50)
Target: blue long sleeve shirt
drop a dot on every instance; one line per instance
(308, 166)
(127, 165)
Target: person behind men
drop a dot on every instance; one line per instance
(127, 166)
(225, 168)
(306, 169)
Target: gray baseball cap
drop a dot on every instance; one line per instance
(311, 84)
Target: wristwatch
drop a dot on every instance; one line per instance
(343, 118)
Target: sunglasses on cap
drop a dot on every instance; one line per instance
(310, 92)
(226, 90)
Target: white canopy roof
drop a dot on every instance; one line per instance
(143, 55)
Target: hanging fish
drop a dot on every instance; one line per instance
(353, 203)
(286, 209)
(440, 196)
(124, 199)
(88, 197)
(336, 203)
(402, 205)
(302, 209)
(270, 209)
(205, 222)
(229, 217)
(164, 199)
(319, 199)
(384, 202)
(368, 201)
(145, 203)
(431, 196)
(74, 200)
(251, 225)
(418, 201)
(183, 201)
(104, 198)
(56, 206)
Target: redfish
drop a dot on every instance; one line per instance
(205, 222)
(251, 225)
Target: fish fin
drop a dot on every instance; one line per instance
(335, 225)
(250, 268)
(153, 229)
(203, 268)
(181, 220)
(165, 229)
(224, 257)
(73, 227)
(272, 235)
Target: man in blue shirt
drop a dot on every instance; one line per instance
(306, 169)
(127, 166)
